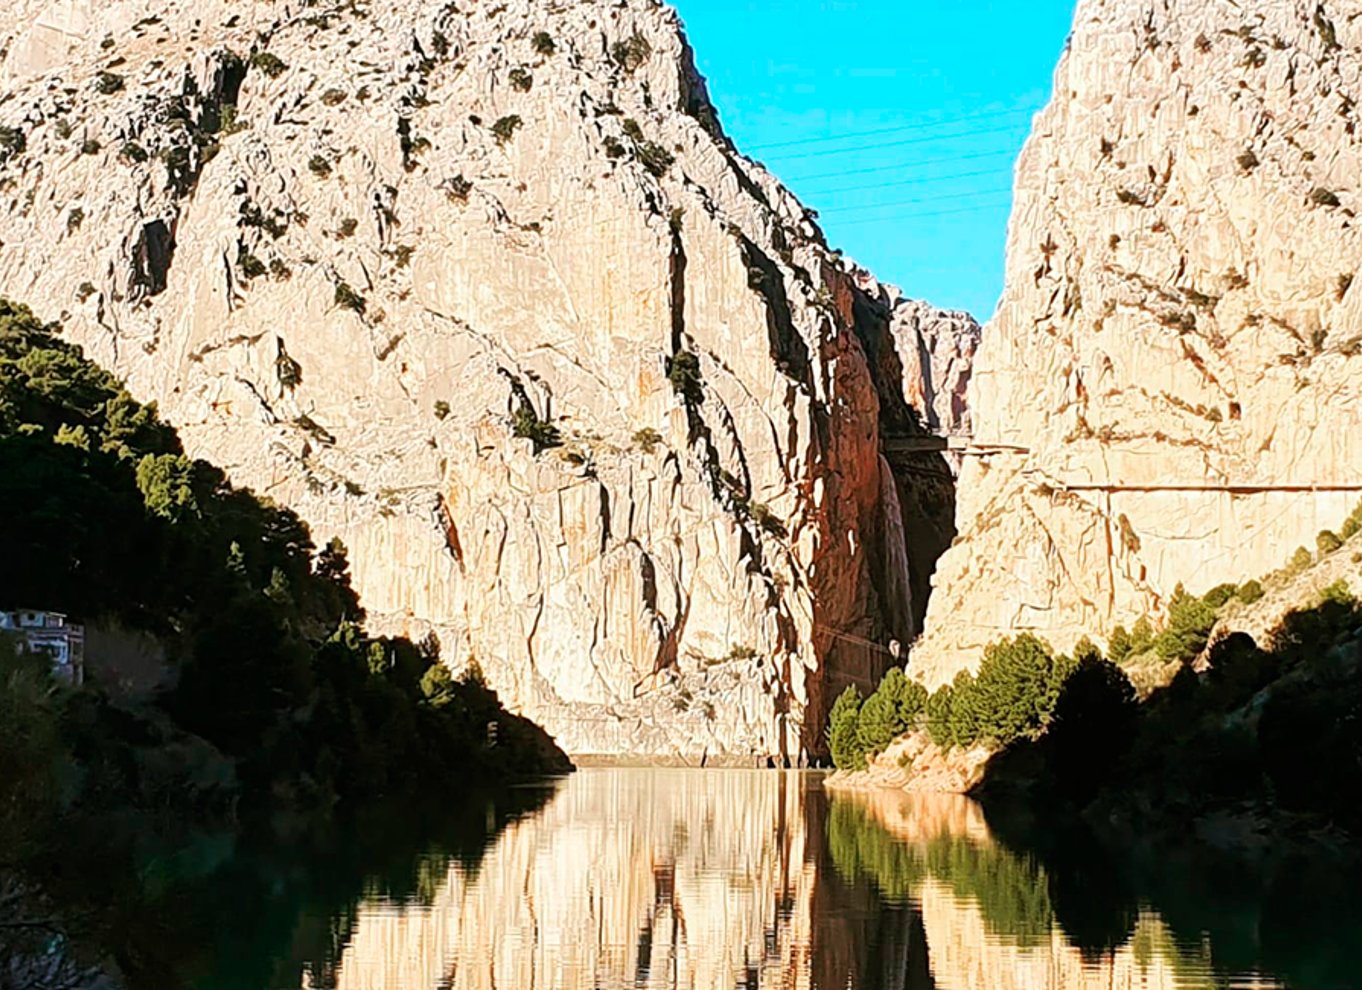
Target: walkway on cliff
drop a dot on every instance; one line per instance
(905, 452)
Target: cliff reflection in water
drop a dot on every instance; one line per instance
(717, 879)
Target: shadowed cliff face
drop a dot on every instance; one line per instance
(487, 294)
(1168, 390)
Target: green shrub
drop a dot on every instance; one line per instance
(631, 54)
(683, 371)
(74, 219)
(1337, 593)
(655, 158)
(251, 266)
(133, 152)
(1324, 197)
(1016, 689)
(1086, 649)
(319, 166)
(269, 63)
(90, 147)
(543, 44)
(1300, 561)
(1141, 636)
(890, 712)
(441, 409)
(347, 227)
(521, 79)
(1353, 524)
(109, 83)
(1218, 596)
(504, 129)
(1250, 592)
(1327, 542)
(844, 739)
(1119, 645)
(526, 424)
(12, 142)
(457, 189)
(647, 439)
(963, 720)
(765, 517)
(348, 298)
(939, 716)
(1189, 625)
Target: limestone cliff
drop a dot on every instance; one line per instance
(484, 290)
(1168, 390)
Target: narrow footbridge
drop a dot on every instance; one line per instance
(913, 454)
(909, 451)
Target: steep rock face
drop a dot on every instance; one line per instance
(483, 290)
(1168, 390)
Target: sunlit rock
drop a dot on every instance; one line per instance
(1168, 390)
(485, 291)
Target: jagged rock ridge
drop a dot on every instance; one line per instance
(484, 290)
(1168, 390)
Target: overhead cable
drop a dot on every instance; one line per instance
(915, 202)
(921, 126)
(924, 181)
(923, 216)
(903, 166)
(934, 139)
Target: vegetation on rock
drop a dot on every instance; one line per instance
(1266, 728)
(683, 371)
(526, 424)
(269, 63)
(272, 700)
(632, 53)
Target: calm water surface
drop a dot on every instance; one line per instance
(733, 879)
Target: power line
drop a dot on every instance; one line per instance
(922, 126)
(923, 216)
(928, 180)
(915, 202)
(934, 139)
(904, 165)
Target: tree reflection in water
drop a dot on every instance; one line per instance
(648, 879)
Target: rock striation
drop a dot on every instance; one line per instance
(1168, 390)
(484, 290)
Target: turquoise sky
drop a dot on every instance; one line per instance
(947, 90)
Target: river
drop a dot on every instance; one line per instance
(708, 880)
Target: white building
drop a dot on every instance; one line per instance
(50, 633)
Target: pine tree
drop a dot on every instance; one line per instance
(843, 731)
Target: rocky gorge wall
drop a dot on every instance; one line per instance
(1167, 392)
(485, 291)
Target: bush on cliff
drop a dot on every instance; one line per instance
(1017, 686)
(891, 711)
(844, 737)
(1189, 624)
(1012, 697)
